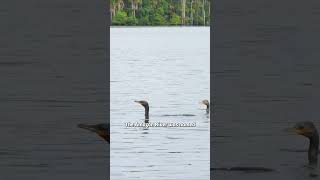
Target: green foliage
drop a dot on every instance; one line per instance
(144, 21)
(160, 12)
(159, 20)
(120, 18)
(131, 21)
(175, 20)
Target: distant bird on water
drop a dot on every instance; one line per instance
(207, 104)
(103, 130)
(145, 104)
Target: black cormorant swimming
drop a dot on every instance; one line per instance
(103, 130)
(146, 109)
(309, 130)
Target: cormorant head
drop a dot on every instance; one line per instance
(205, 102)
(143, 103)
(306, 128)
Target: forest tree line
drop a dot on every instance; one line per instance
(160, 12)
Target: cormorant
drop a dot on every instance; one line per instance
(309, 130)
(207, 104)
(146, 109)
(103, 130)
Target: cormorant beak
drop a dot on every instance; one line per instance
(298, 131)
(290, 130)
(138, 102)
(87, 127)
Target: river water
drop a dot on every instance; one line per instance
(266, 78)
(168, 67)
(53, 76)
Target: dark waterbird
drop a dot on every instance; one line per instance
(103, 130)
(207, 104)
(308, 130)
(145, 104)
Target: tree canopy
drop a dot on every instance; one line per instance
(160, 12)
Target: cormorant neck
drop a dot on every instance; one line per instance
(208, 108)
(313, 149)
(146, 112)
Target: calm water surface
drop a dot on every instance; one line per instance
(168, 67)
(53, 76)
(266, 78)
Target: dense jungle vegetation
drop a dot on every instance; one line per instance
(160, 12)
